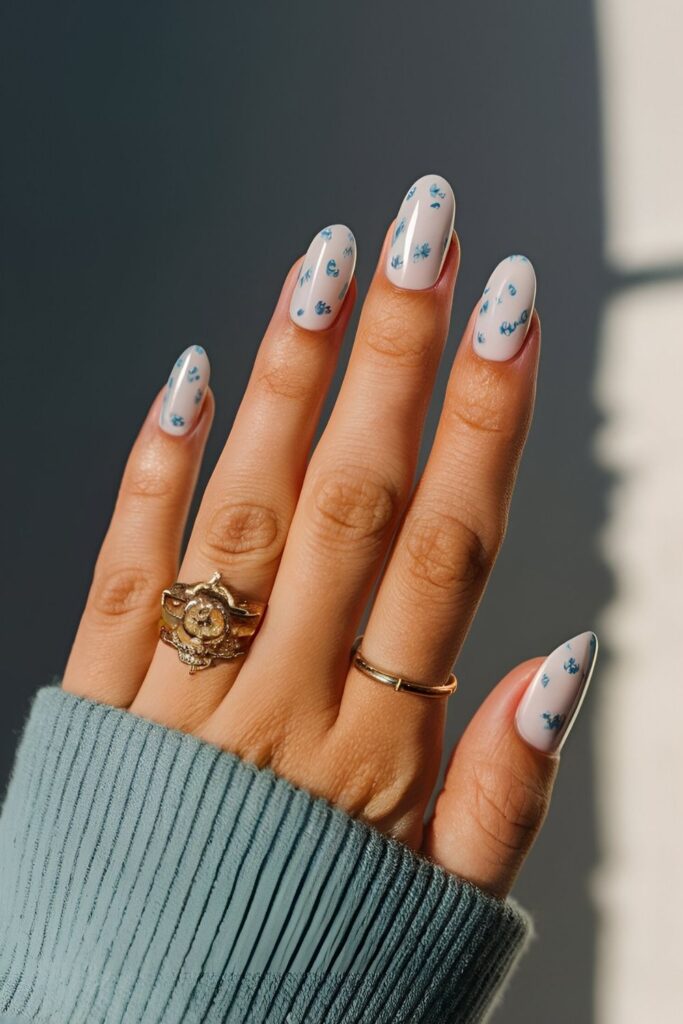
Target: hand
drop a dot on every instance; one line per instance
(311, 538)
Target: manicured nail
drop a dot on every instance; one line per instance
(422, 232)
(551, 703)
(185, 391)
(505, 309)
(324, 278)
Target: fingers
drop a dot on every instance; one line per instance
(453, 528)
(245, 513)
(501, 773)
(362, 470)
(119, 626)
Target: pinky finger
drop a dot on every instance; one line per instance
(501, 774)
(139, 556)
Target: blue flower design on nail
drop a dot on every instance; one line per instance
(571, 666)
(481, 337)
(177, 420)
(484, 307)
(486, 290)
(322, 307)
(193, 374)
(512, 289)
(509, 328)
(306, 276)
(400, 228)
(348, 251)
(396, 262)
(326, 233)
(435, 206)
(199, 350)
(179, 361)
(411, 192)
(332, 270)
(434, 190)
(545, 679)
(343, 292)
(170, 381)
(198, 396)
(299, 312)
(516, 256)
(552, 721)
(421, 252)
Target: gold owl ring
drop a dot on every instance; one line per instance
(206, 623)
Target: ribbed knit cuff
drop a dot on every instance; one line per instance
(148, 876)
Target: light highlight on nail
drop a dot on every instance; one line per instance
(185, 391)
(324, 278)
(505, 309)
(552, 700)
(421, 234)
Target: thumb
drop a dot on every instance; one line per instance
(501, 773)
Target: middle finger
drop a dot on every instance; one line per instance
(361, 472)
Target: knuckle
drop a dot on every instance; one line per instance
(398, 335)
(351, 506)
(118, 591)
(446, 555)
(241, 528)
(508, 808)
(148, 475)
(479, 408)
(282, 377)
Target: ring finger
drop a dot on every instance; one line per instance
(249, 501)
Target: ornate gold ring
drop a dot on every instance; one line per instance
(206, 623)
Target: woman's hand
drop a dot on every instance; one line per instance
(311, 538)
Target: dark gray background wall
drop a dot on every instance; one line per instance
(162, 165)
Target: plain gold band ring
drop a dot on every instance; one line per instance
(398, 682)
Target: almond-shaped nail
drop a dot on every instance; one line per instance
(421, 234)
(552, 700)
(505, 309)
(185, 391)
(324, 278)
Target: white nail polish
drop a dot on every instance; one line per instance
(552, 700)
(324, 278)
(185, 391)
(505, 309)
(421, 233)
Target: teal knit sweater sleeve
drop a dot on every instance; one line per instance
(148, 876)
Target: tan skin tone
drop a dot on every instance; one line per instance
(310, 534)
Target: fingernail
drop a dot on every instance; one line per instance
(552, 700)
(422, 232)
(505, 309)
(324, 278)
(185, 391)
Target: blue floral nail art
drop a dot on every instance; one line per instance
(411, 192)
(170, 380)
(299, 312)
(343, 292)
(421, 252)
(179, 361)
(326, 233)
(396, 262)
(507, 328)
(552, 721)
(571, 666)
(198, 396)
(193, 374)
(481, 337)
(332, 270)
(484, 306)
(434, 190)
(177, 421)
(512, 289)
(348, 251)
(322, 307)
(199, 350)
(306, 276)
(435, 206)
(545, 679)
(400, 228)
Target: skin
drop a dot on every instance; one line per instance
(313, 533)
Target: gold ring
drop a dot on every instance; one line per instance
(398, 682)
(206, 623)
